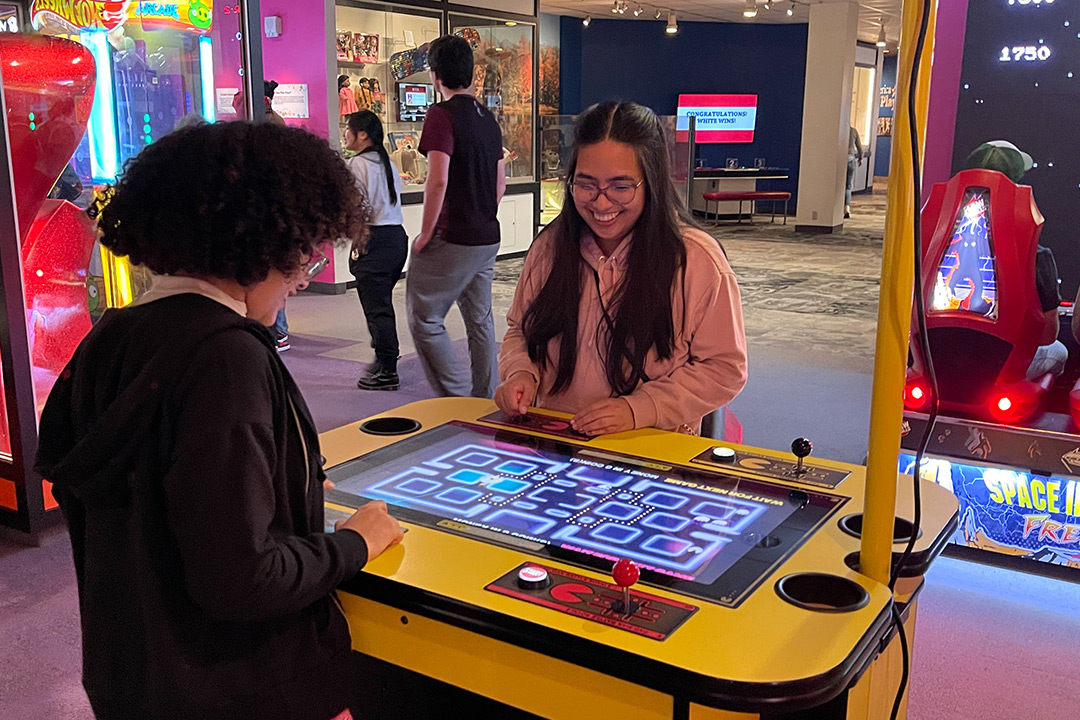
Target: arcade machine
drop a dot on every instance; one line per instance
(1012, 460)
(154, 71)
(49, 92)
(650, 574)
(641, 575)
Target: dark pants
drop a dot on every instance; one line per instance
(376, 273)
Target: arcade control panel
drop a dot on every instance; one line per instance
(616, 606)
(720, 456)
(774, 468)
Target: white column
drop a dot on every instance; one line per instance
(830, 71)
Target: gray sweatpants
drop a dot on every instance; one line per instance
(440, 275)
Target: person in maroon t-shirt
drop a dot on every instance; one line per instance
(454, 253)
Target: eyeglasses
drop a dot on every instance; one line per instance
(620, 193)
(316, 265)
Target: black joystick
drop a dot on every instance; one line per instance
(801, 447)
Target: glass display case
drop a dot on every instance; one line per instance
(503, 81)
(381, 55)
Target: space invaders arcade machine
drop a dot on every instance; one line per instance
(1004, 444)
(984, 321)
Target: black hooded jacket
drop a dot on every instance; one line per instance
(187, 467)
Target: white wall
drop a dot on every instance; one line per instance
(830, 70)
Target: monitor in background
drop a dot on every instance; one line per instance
(414, 99)
(719, 118)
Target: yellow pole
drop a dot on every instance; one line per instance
(894, 308)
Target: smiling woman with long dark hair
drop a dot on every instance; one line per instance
(626, 314)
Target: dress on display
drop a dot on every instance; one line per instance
(346, 102)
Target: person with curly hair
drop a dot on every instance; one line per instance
(181, 451)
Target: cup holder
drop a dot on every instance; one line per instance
(852, 525)
(390, 426)
(820, 592)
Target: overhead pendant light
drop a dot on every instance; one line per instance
(637, 13)
(622, 8)
(751, 9)
(791, 10)
(767, 5)
(587, 20)
(672, 23)
(881, 37)
(615, 7)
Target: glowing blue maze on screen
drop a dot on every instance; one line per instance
(590, 509)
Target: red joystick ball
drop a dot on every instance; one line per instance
(625, 573)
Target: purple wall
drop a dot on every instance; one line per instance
(299, 56)
(944, 92)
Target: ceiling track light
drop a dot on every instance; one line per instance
(751, 9)
(672, 23)
(637, 13)
(881, 37)
(791, 10)
(587, 20)
(658, 14)
(615, 7)
(767, 5)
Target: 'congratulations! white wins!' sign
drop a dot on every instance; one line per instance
(718, 118)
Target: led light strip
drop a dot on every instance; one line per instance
(104, 158)
(206, 71)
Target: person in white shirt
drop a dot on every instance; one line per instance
(377, 270)
(855, 154)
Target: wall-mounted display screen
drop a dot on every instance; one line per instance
(414, 99)
(718, 118)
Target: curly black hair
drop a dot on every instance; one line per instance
(231, 201)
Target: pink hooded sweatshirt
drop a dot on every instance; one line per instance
(707, 367)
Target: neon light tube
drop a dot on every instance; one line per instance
(206, 71)
(104, 157)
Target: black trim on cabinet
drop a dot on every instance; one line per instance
(708, 691)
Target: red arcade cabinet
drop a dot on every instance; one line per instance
(984, 320)
(48, 87)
